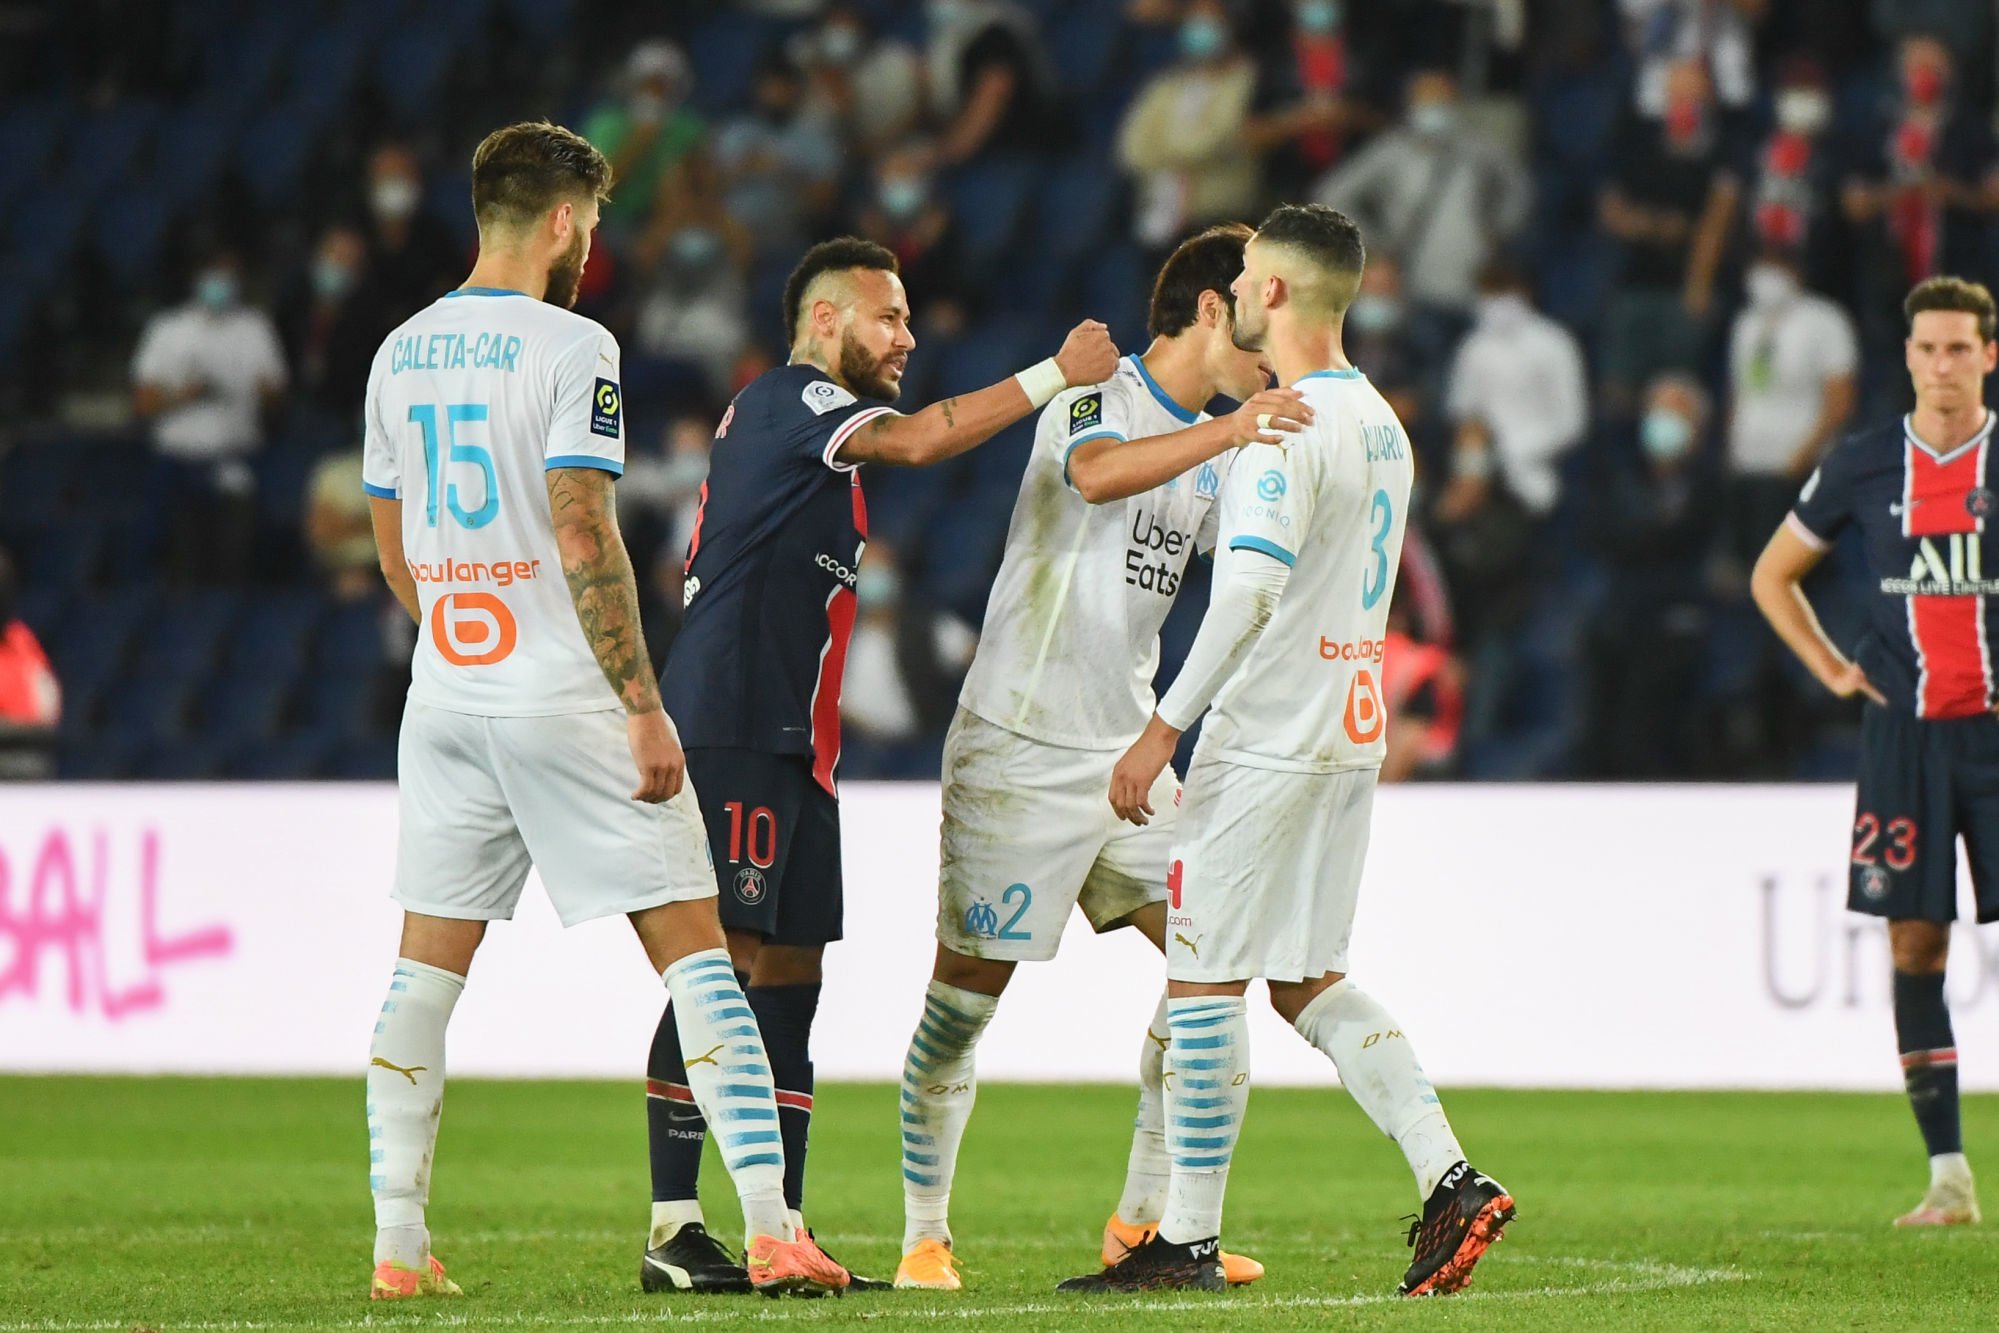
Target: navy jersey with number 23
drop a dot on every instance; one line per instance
(771, 570)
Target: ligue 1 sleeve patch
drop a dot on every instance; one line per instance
(607, 408)
(1086, 412)
(822, 396)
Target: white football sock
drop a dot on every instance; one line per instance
(1380, 1070)
(1950, 1168)
(669, 1216)
(1149, 1168)
(405, 1099)
(1207, 1091)
(938, 1089)
(729, 1075)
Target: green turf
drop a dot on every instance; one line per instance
(238, 1204)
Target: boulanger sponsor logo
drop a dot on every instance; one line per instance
(1157, 554)
(472, 628)
(836, 569)
(1365, 716)
(1956, 569)
(1353, 650)
(499, 573)
(750, 887)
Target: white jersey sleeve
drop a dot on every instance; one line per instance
(1100, 412)
(1270, 506)
(587, 425)
(381, 469)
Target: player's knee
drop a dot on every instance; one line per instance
(1292, 998)
(981, 976)
(1918, 946)
(783, 964)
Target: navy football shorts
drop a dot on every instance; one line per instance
(1923, 784)
(775, 836)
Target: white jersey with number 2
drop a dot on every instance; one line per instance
(1331, 502)
(470, 403)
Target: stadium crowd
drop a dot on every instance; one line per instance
(1634, 264)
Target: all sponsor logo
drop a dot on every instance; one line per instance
(1954, 569)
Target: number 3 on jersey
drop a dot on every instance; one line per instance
(456, 451)
(1374, 582)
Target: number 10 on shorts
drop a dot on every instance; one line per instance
(762, 835)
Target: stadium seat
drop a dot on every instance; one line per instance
(188, 152)
(1082, 43)
(273, 153)
(131, 227)
(30, 133)
(988, 200)
(102, 146)
(724, 52)
(1077, 207)
(412, 66)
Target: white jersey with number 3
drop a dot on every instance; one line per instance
(1332, 503)
(470, 403)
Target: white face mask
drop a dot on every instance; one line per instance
(1770, 285)
(395, 197)
(1803, 110)
(1433, 120)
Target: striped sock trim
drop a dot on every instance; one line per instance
(1929, 1059)
(672, 1092)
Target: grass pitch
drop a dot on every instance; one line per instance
(141, 1204)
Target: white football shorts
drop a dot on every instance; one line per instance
(1269, 873)
(482, 798)
(1029, 834)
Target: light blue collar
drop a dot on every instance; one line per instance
(484, 291)
(1348, 374)
(1165, 399)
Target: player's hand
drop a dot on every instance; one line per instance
(1850, 680)
(1268, 416)
(656, 750)
(1088, 355)
(1132, 779)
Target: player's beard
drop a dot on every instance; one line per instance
(1242, 335)
(565, 276)
(863, 371)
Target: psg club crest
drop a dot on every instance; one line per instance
(1873, 883)
(1980, 502)
(750, 885)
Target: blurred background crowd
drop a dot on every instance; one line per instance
(1634, 265)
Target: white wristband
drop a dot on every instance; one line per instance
(1042, 381)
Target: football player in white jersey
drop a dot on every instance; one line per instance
(1117, 495)
(534, 733)
(1273, 831)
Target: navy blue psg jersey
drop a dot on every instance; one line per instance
(771, 570)
(1925, 519)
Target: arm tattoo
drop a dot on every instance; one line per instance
(601, 583)
(950, 417)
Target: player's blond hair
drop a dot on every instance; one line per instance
(1954, 294)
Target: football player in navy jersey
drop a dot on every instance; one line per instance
(754, 677)
(1918, 493)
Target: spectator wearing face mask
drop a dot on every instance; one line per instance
(331, 330)
(1652, 526)
(904, 666)
(412, 259)
(1671, 200)
(1791, 363)
(779, 164)
(1922, 190)
(1719, 34)
(1483, 538)
(869, 87)
(1184, 141)
(1795, 174)
(205, 374)
(1308, 99)
(1519, 375)
(909, 216)
(1438, 195)
(645, 130)
(693, 322)
(1376, 338)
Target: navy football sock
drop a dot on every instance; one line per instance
(784, 1015)
(675, 1127)
(1929, 1058)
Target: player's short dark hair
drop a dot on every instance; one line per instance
(521, 171)
(834, 256)
(1207, 261)
(1958, 294)
(1326, 236)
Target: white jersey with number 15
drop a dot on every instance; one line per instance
(470, 403)
(1332, 503)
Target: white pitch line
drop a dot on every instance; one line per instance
(1643, 1276)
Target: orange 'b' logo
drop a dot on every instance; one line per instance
(472, 628)
(1365, 715)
